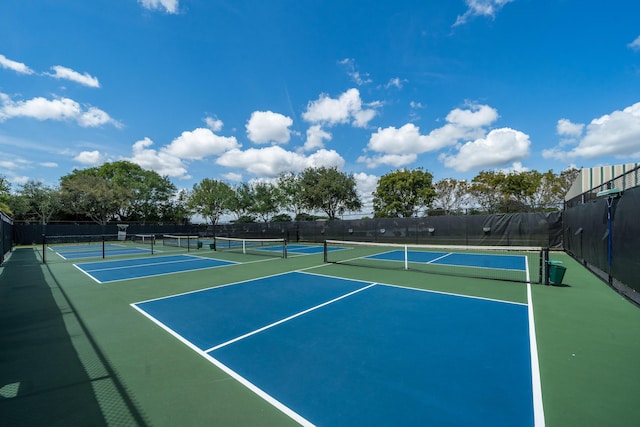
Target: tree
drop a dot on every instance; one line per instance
(177, 208)
(211, 198)
(5, 188)
(150, 196)
(241, 201)
(451, 195)
(266, 200)
(85, 193)
(329, 190)
(290, 188)
(402, 193)
(486, 189)
(39, 201)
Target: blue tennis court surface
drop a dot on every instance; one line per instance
(501, 262)
(95, 251)
(111, 271)
(332, 351)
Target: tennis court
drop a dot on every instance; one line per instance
(72, 252)
(345, 334)
(380, 354)
(127, 269)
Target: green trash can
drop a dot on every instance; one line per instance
(199, 245)
(556, 272)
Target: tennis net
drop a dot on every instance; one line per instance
(188, 242)
(510, 263)
(264, 247)
(143, 239)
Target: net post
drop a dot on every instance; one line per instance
(244, 246)
(284, 248)
(103, 253)
(545, 261)
(325, 251)
(153, 241)
(406, 257)
(44, 249)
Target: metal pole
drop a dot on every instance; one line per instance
(609, 236)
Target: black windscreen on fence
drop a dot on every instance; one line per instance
(518, 229)
(6, 235)
(609, 248)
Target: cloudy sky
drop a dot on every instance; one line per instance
(240, 90)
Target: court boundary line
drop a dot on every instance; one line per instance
(233, 374)
(434, 261)
(216, 286)
(230, 263)
(196, 257)
(536, 377)
(535, 373)
(411, 287)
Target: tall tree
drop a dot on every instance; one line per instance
(266, 200)
(291, 191)
(211, 198)
(329, 190)
(241, 202)
(5, 189)
(150, 195)
(85, 193)
(403, 193)
(487, 190)
(39, 201)
(451, 195)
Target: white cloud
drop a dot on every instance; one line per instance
(395, 82)
(400, 146)
(365, 185)
(170, 6)
(89, 158)
(359, 78)
(15, 164)
(59, 109)
(347, 108)
(395, 160)
(267, 126)
(405, 140)
(473, 117)
(635, 45)
(501, 146)
(159, 161)
(232, 176)
(49, 164)
(19, 180)
(616, 134)
(85, 79)
(18, 67)
(315, 138)
(566, 128)
(214, 123)
(274, 160)
(199, 143)
(487, 8)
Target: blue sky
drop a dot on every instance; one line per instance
(244, 90)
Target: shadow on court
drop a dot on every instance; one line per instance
(51, 373)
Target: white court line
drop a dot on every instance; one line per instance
(286, 319)
(536, 381)
(149, 264)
